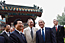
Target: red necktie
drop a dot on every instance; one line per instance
(56, 29)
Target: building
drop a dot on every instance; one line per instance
(12, 12)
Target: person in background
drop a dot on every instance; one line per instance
(12, 27)
(44, 34)
(58, 31)
(17, 36)
(22, 28)
(30, 32)
(6, 33)
(2, 22)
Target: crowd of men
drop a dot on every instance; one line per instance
(32, 34)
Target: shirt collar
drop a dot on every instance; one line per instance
(56, 26)
(7, 32)
(18, 31)
(43, 28)
(30, 28)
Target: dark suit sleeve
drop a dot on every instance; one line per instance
(62, 29)
(2, 39)
(53, 37)
(13, 38)
(37, 40)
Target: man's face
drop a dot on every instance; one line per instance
(7, 28)
(31, 23)
(19, 25)
(41, 23)
(55, 22)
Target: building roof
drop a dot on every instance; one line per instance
(4, 6)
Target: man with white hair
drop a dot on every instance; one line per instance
(44, 34)
(30, 32)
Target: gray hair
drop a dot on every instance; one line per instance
(41, 20)
(56, 20)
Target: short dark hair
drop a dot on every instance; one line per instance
(28, 20)
(6, 25)
(15, 22)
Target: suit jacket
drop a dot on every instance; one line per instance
(59, 34)
(49, 36)
(7, 39)
(2, 40)
(16, 37)
(27, 34)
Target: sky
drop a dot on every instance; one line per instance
(51, 8)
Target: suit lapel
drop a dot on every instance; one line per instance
(34, 34)
(40, 34)
(46, 31)
(6, 36)
(58, 29)
(45, 34)
(30, 34)
(18, 35)
(54, 29)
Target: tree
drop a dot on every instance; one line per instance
(61, 19)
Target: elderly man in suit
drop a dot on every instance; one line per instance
(30, 32)
(44, 34)
(58, 31)
(6, 33)
(17, 36)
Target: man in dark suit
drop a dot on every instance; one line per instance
(58, 31)
(6, 33)
(2, 40)
(17, 36)
(44, 34)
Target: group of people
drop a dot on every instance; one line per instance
(32, 34)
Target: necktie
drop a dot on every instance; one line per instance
(43, 35)
(22, 36)
(31, 33)
(56, 29)
(9, 33)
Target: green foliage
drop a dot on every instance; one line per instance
(0, 31)
(64, 40)
(61, 19)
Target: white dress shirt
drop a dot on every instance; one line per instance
(43, 30)
(30, 28)
(56, 26)
(18, 31)
(7, 32)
